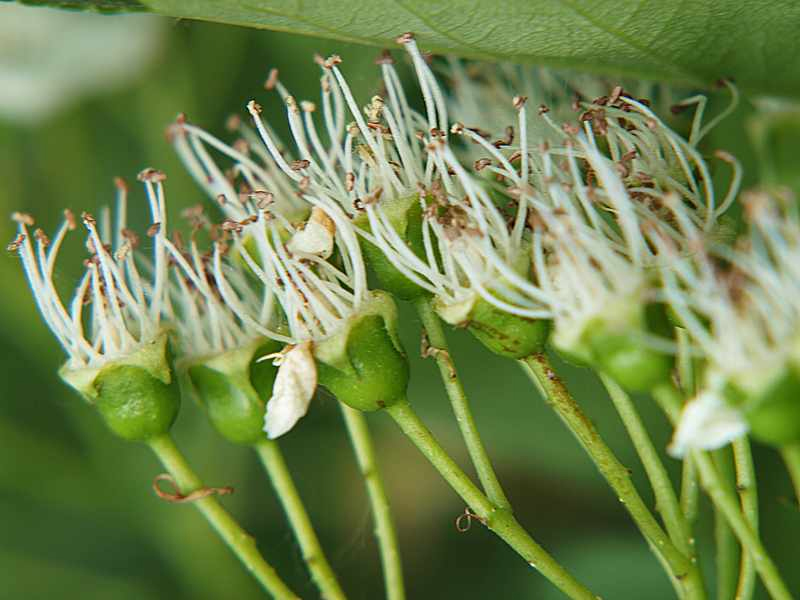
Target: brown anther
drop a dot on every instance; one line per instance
(233, 122)
(299, 165)
(88, 219)
(130, 236)
(384, 58)
(242, 147)
(248, 220)
(677, 109)
(332, 61)
(349, 181)
(120, 184)
(307, 106)
(652, 124)
(16, 243)
(482, 163)
(457, 128)
(515, 156)
(519, 101)
(222, 200)
(69, 217)
(405, 38)
(506, 141)
(615, 94)
(153, 230)
(304, 183)
(628, 156)
(601, 101)
(41, 237)
(177, 240)
(23, 218)
(570, 129)
(254, 107)
(231, 225)
(151, 175)
(272, 80)
(543, 108)
(263, 198)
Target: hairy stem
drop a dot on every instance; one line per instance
(682, 570)
(466, 423)
(379, 502)
(275, 466)
(499, 520)
(725, 500)
(748, 498)
(238, 540)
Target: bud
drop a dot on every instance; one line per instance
(137, 395)
(405, 217)
(363, 364)
(232, 387)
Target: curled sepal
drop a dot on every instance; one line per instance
(707, 422)
(363, 364)
(295, 384)
(137, 394)
(233, 387)
(501, 332)
(405, 217)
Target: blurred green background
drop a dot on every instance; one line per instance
(78, 518)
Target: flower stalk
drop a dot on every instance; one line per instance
(236, 538)
(385, 533)
(438, 348)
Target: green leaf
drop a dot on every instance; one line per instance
(695, 42)
(104, 6)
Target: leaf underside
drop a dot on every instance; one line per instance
(688, 41)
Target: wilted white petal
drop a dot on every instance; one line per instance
(707, 423)
(292, 392)
(316, 237)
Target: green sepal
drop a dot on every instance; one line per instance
(364, 364)
(501, 332)
(233, 388)
(137, 395)
(405, 215)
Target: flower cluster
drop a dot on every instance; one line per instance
(588, 216)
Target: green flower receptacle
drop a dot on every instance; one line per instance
(501, 332)
(364, 365)
(137, 395)
(233, 387)
(623, 357)
(405, 216)
(773, 412)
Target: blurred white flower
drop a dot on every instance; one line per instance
(51, 58)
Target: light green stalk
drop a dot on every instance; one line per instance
(458, 399)
(499, 520)
(238, 540)
(682, 570)
(791, 456)
(271, 457)
(725, 500)
(748, 498)
(384, 525)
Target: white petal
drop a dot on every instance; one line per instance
(292, 392)
(316, 237)
(707, 423)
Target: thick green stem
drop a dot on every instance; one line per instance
(238, 540)
(791, 456)
(725, 500)
(683, 572)
(466, 422)
(666, 500)
(500, 521)
(275, 465)
(748, 498)
(727, 549)
(379, 502)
